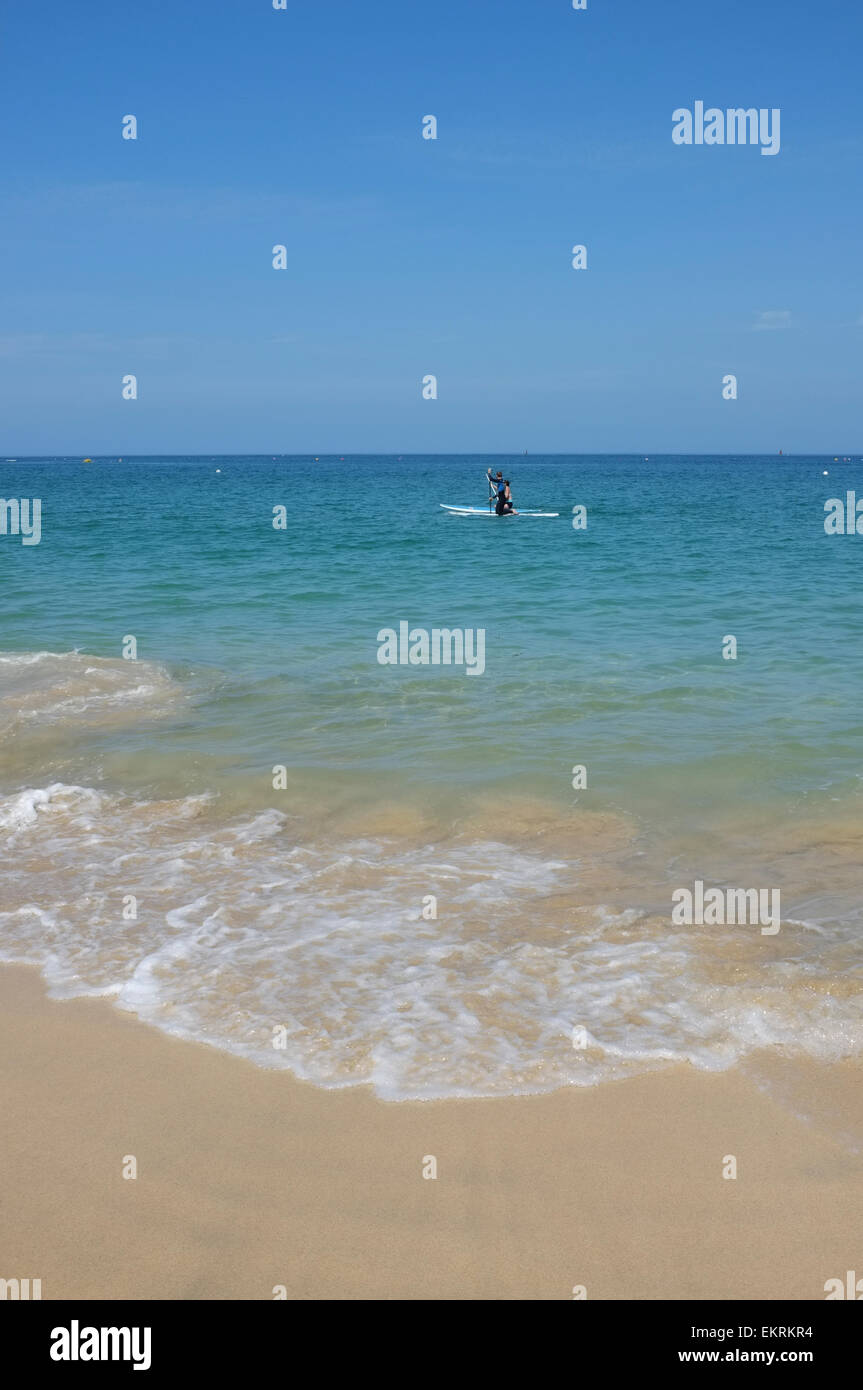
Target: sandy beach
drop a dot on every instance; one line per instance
(431, 647)
(248, 1180)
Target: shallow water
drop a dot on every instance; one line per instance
(301, 908)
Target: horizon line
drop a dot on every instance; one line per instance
(469, 453)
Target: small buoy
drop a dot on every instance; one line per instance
(86, 460)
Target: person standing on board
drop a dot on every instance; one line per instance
(495, 485)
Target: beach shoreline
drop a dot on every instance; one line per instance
(250, 1182)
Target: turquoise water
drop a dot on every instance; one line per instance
(603, 646)
(257, 647)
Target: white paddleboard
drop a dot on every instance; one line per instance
(484, 511)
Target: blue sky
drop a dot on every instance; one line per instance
(407, 257)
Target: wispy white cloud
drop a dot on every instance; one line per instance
(769, 319)
(487, 153)
(144, 201)
(100, 347)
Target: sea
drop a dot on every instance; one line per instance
(221, 809)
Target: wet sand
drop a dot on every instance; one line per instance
(248, 1180)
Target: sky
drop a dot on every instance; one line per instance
(407, 257)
